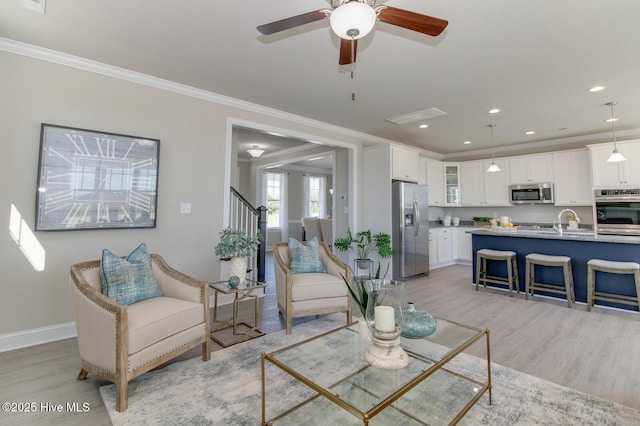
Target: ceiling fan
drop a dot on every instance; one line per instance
(354, 19)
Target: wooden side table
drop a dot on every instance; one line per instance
(241, 331)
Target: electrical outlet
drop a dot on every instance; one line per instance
(185, 208)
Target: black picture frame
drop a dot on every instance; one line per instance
(90, 179)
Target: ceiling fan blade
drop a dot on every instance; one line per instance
(345, 51)
(413, 21)
(294, 21)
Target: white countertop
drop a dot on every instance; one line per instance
(572, 235)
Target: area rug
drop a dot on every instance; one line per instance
(227, 391)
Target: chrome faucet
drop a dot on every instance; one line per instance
(558, 227)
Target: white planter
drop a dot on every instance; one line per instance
(238, 267)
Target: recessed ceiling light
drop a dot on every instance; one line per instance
(424, 126)
(530, 132)
(494, 111)
(609, 120)
(467, 142)
(596, 89)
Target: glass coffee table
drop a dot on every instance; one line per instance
(240, 331)
(342, 388)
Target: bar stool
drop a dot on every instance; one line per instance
(482, 276)
(531, 285)
(611, 267)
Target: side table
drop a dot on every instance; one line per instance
(242, 292)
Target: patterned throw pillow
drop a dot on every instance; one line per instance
(128, 280)
(305, 258)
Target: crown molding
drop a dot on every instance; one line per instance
(49, 55)
(558, 143)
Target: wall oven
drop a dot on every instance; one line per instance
(618, 211)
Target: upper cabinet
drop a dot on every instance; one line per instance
(572, 184)
(531, 169)
(452, 184)
(435, 181)
(612, 175)
(481, 188)
(405, 165)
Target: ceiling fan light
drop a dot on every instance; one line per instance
(255, 153)
(353, 20)
(493, 167)
(616, 157)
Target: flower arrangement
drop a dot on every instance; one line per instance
(236, 243)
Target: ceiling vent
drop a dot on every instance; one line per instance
(425, 114)
(34, 5)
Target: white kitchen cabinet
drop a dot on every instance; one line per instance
(445, 245)
(481, 188)
(464, 247)
(452, 184)
(531, 169)
(572, 178)
(612, 175)
(422, 170)
(433, 247)
(435, 181)
(405, 164)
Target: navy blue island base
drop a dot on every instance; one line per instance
(581, 250)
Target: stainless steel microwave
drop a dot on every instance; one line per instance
(531, 193)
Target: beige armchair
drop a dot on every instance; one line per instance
(307, 294)
(120, 342)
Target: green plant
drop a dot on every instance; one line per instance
(236, 243)
(359, 294)
(363, 243)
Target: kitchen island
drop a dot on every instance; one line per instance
(581, 246)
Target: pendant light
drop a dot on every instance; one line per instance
(493, 167)
(615, 156)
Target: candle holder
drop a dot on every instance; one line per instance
(385, 319)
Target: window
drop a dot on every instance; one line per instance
(274, 197)
(315, 198)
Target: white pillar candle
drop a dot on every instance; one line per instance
(384, 319)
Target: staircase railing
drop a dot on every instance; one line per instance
(242, 215)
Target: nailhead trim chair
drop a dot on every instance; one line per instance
(120, 342)
(307, 294)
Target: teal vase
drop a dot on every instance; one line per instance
(417, 324)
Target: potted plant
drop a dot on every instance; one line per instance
(364, 243)
(235, 245)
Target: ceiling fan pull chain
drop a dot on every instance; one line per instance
(353, 69)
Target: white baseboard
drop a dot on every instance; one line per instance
(37, 336)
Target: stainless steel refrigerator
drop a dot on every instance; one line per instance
(410, 230)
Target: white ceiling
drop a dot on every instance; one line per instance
(532, 59)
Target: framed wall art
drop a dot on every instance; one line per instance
(90, 179)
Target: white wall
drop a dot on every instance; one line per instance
(194, 134)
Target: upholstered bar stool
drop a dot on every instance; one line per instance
(611, 267)
(531, 285)
(482, 275)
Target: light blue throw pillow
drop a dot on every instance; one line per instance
(128, 280)
(305, 258)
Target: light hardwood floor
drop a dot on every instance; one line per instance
(595, 352)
